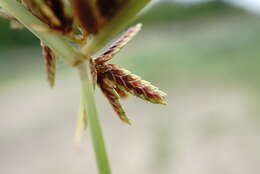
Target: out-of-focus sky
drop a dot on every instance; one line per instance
(251, 5)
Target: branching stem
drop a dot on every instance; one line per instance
(71, 56)
(74, 57)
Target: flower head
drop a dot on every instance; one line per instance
(116, 82)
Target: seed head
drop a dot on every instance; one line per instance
(116, 82)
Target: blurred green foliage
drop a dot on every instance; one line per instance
(159, 14)
(12, 38)
(204, 40)
(166, 12)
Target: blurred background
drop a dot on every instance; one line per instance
(204, 54)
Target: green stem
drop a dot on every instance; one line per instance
(93, 120)
(70, 55)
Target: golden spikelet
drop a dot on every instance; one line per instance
(50, 64)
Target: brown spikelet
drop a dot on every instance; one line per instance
(119, 44)
(50, 64)
(113, 99)
(123, 94)
(48, 9)
(116, 82)
(58, 19)
(133, 84)
(51, 13)
(86, 15)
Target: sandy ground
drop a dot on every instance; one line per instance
(204, 129)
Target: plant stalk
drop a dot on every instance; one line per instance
(70, 55)
(74, 57)
(93, 120)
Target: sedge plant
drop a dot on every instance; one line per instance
(74, 30)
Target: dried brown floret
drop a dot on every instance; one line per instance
(120, 92)
(55, 11)
(50, 64)
(133, 84)
(86, 15)
(116, 82)
(51, 13)
(113, 99)
(118, 44)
